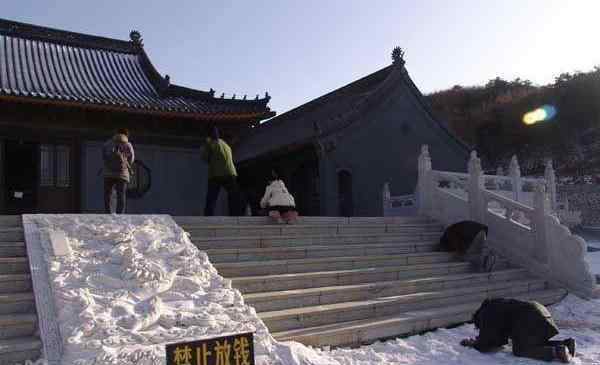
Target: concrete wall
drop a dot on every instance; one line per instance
(178, 181)
(385, 148)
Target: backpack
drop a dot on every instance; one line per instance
(117, 161)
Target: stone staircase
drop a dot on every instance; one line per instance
(350, 281)
(19, 340)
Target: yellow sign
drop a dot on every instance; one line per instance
(229, 350)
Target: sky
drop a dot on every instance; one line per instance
(299, 50)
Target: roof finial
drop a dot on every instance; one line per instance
(256, 98)
(211, 92)
(267, 96)
(136, 37)
(233, 97)
(398, 56)
(245, 96)
(222, 95)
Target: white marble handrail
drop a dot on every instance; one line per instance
(523, 226)
(489, 196)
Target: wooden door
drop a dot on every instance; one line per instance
(20, 176)
(56, 183)
(345, 195)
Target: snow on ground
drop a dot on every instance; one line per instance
(134, 283)
(575, 317)
(592, 257)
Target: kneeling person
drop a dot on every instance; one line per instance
(279, 201)
(528, 324)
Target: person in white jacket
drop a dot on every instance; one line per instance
(279, 201)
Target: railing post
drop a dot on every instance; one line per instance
(550, 176)
(541, 207)
(423, 185)
(386, 196)
(515, 174)
(475, 188)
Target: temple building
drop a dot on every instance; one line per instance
(62, 94)
(336, 152)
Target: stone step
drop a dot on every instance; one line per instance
(289, 319)
(280, 300)
(11, 234)
(365, 331)
(315, 251)
(230, 231)
(17, 303)
(17, 325)
(267, 283)
(15, 283)
(19, 349)
(10, 221)
(12, 249)
(187, 221)
(309, 240)
(14, 265)
(255, 268)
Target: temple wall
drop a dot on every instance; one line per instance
(178, 181)
(384, 148)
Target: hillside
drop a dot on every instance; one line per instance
(490, 119)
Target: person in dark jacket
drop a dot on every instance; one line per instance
(467, 240)
(528, 324)
(460, 236)
(118, 156)
(221, 174)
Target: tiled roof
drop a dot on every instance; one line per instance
(55, 65)
(332, 114)
(318, 117)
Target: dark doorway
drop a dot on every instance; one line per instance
(304, 186)
(345, 200)
(20, 182)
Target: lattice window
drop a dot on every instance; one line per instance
(55, 162)
(47, 165)
(63, 174)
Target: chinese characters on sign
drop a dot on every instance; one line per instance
(229, 350)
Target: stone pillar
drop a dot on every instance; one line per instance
(476, 182)
(541, 206)
(424, 190)
(550, 177)
(515, 174)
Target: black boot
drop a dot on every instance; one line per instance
(570, 344)
(562, 354)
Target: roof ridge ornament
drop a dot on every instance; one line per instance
(398, 56)
(136, 38)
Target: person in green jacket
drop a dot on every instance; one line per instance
(221, 174)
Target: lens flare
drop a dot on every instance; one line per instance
(541, 114)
